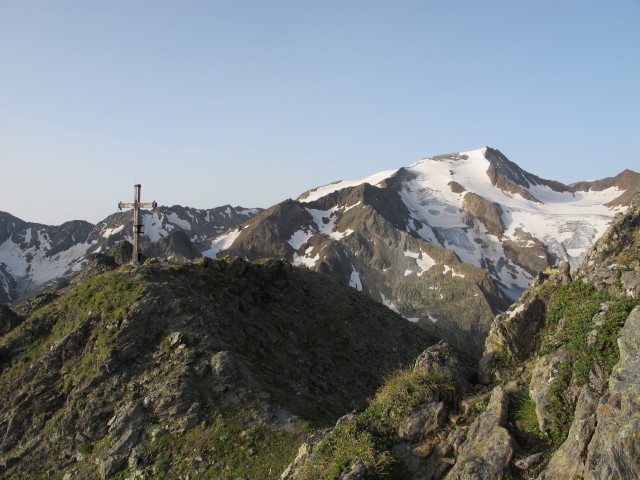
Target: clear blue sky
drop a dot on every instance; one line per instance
(251, 102)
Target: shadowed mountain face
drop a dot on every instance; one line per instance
(125, 360)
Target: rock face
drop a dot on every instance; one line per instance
(200, 369)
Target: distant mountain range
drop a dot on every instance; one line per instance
(447, 242)
(33, 255)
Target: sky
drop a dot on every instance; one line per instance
(251, 102)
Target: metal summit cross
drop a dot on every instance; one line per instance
(138, 227)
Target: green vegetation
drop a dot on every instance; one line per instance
(591, 345)
(108, 295)
(403, 390)
(525, 415)
(625, 259)
(105, 297)
(503, 358)
(228, 446)
(368, 437)
(577, 304)
(523, 418)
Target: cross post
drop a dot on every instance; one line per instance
(138, 227)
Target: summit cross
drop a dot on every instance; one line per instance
(138, 227)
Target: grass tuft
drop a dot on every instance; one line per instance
(368, 437)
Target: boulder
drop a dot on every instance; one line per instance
(423, 422)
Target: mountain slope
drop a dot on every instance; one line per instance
(447, 242)
(208, 369)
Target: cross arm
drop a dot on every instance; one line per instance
(141, 205)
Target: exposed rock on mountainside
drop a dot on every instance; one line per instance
(33, 256)
(176, 246)
(559, 395)
(209, 369)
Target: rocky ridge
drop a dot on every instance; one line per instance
(207, 369)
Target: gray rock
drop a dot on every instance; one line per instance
(529, 462)
(631, 283)
(489, 448)
(357, 472)
(423, 422)
(614, 450)
(569, 459)
(546, 370)
(444, 358)
(126, 432)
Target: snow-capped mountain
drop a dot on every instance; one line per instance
(33, 255)
(447, 241)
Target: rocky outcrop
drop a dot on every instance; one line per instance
(509, 339)
(489, 448)
(567, 380)
(489, 213)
